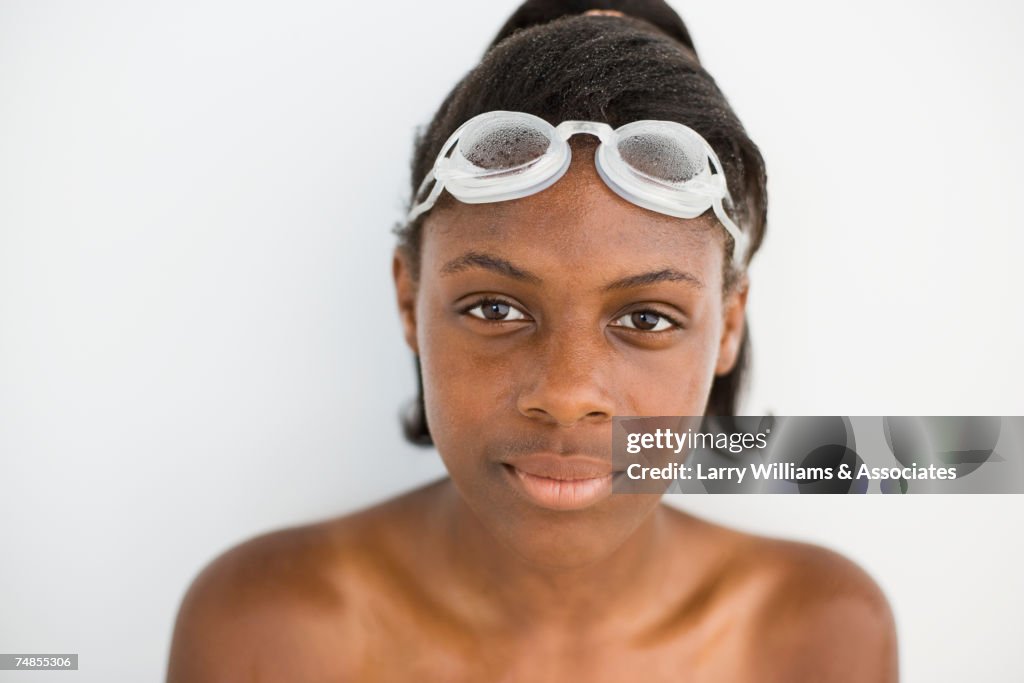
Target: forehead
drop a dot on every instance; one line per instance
(577, 226)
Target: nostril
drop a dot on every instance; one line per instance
(565, 388)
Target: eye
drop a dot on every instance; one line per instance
(495, 310)
(646, 321)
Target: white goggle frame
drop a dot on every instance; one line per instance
(473, 184)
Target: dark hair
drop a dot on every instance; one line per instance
(551, 61)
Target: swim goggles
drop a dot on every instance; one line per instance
(663, 166)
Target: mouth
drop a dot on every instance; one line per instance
(560, 482)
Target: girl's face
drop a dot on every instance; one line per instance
(536, 320)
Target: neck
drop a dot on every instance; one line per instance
(508, 590)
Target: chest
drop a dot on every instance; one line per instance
(439, 654)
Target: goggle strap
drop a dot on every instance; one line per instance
(740, 239)
(428, 203)
(739, 250)
(719, 170)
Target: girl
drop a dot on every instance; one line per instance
(584, 206)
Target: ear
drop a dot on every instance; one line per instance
(734, 319)
(405, 290)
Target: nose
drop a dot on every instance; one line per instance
(569, 382)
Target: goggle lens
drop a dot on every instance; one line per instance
(669, 159)
(503, 146)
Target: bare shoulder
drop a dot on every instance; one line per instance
(247, 608)
(285, 604)
(789, 611)
(818, 616)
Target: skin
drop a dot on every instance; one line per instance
(467, 579)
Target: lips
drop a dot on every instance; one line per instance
(560, 482)
(561, 467)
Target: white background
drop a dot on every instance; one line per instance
(198, 341)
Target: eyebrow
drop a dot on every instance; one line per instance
(496, 264)
(663, 275)
(501, 266)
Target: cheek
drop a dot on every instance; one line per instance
(673, 382)
(468, 385)
(675, 379)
